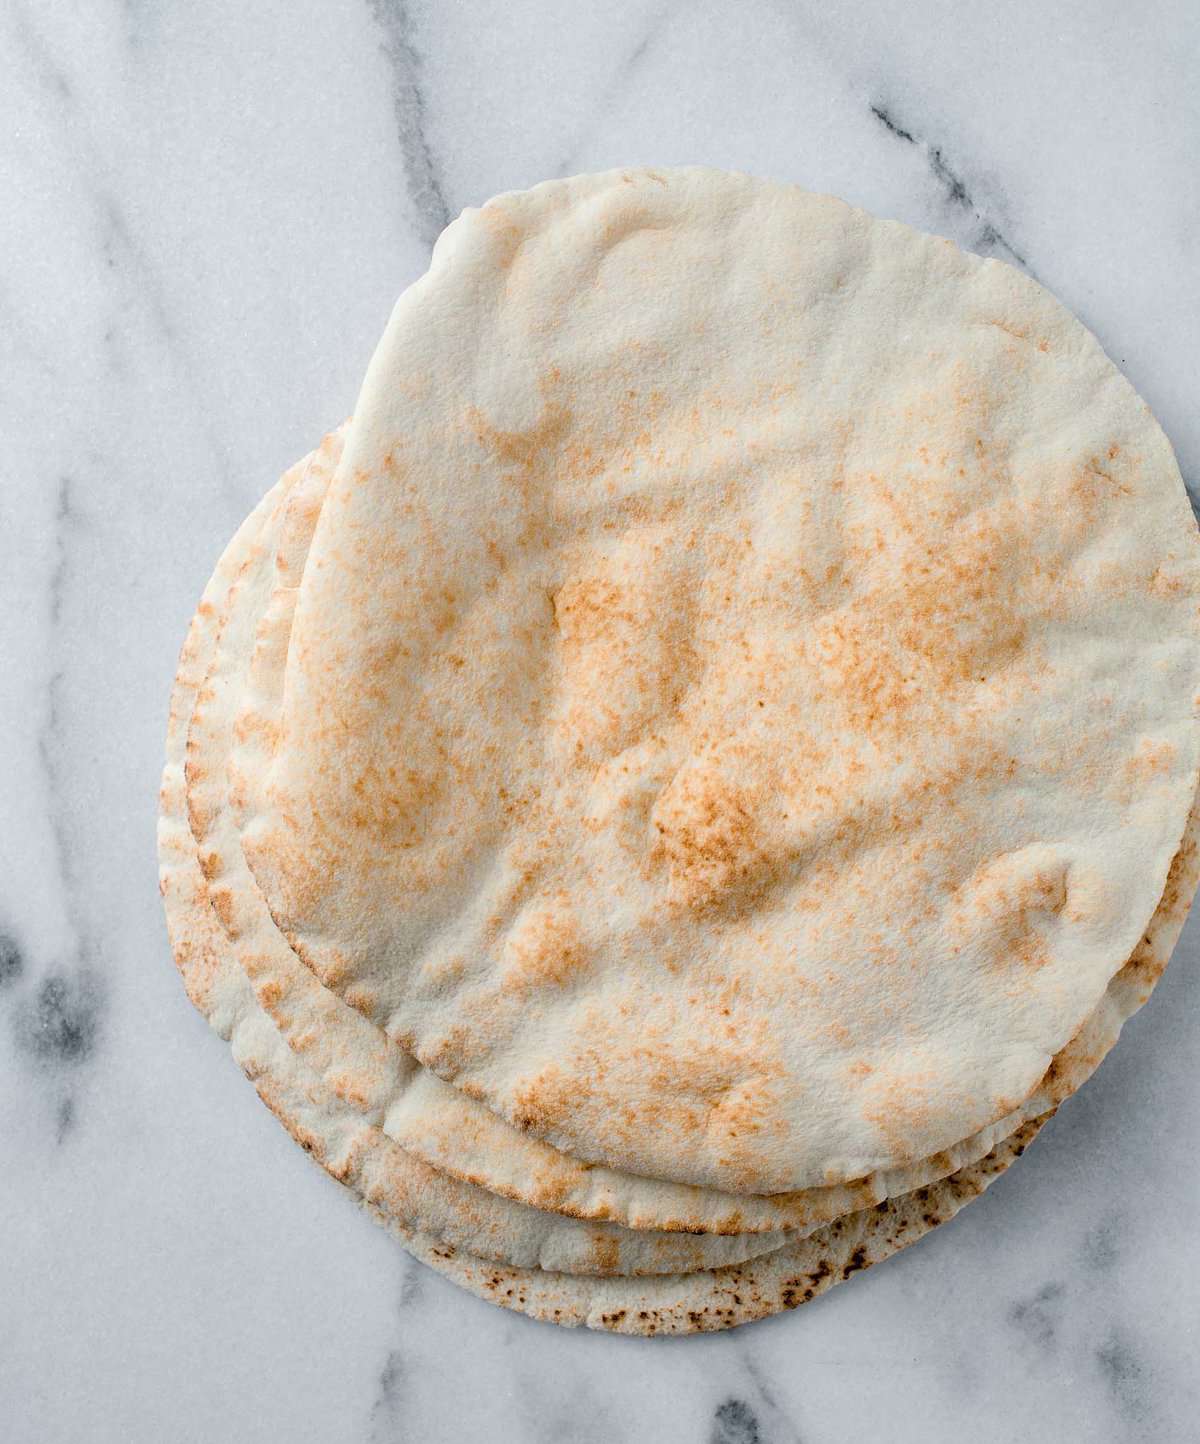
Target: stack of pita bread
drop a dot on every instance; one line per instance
(666, 801)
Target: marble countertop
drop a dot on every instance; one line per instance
(209, 209)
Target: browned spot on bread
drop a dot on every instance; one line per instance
(361, 998)
(1018, 333)
(587, 608)
(943, 621)
(450, 1053)
(543, 1101)
(1096, 484)
(605, 1253)
(222, 904)
(349, 1087)
(521, 449)
(269, 992)
(1167, 585)
(544, 948)
(1154, 758)
(709, 837)
(624, 632)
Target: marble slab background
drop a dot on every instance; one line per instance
(206, 210)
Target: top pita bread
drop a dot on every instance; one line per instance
(740, 708)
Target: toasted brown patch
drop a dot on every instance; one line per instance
(544, 948)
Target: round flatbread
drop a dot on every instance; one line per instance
(740, 707)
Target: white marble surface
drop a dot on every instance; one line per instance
(208, 207)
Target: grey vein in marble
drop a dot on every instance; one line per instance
(734, 1422)
(140, 17)
(1102, 1245)
(1037, 1317)
(782, 1429)
(987, 236)
(426, 189)
(387, 1411)
(752, 1416)
(120, 249)
(56, 1027)
(12, 964)
(123, 253)
(1123, 1373)
(50, 739)
(39, 56)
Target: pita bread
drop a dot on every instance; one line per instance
(817, 597)
(445, 1128)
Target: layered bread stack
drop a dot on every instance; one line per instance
(668, 799)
